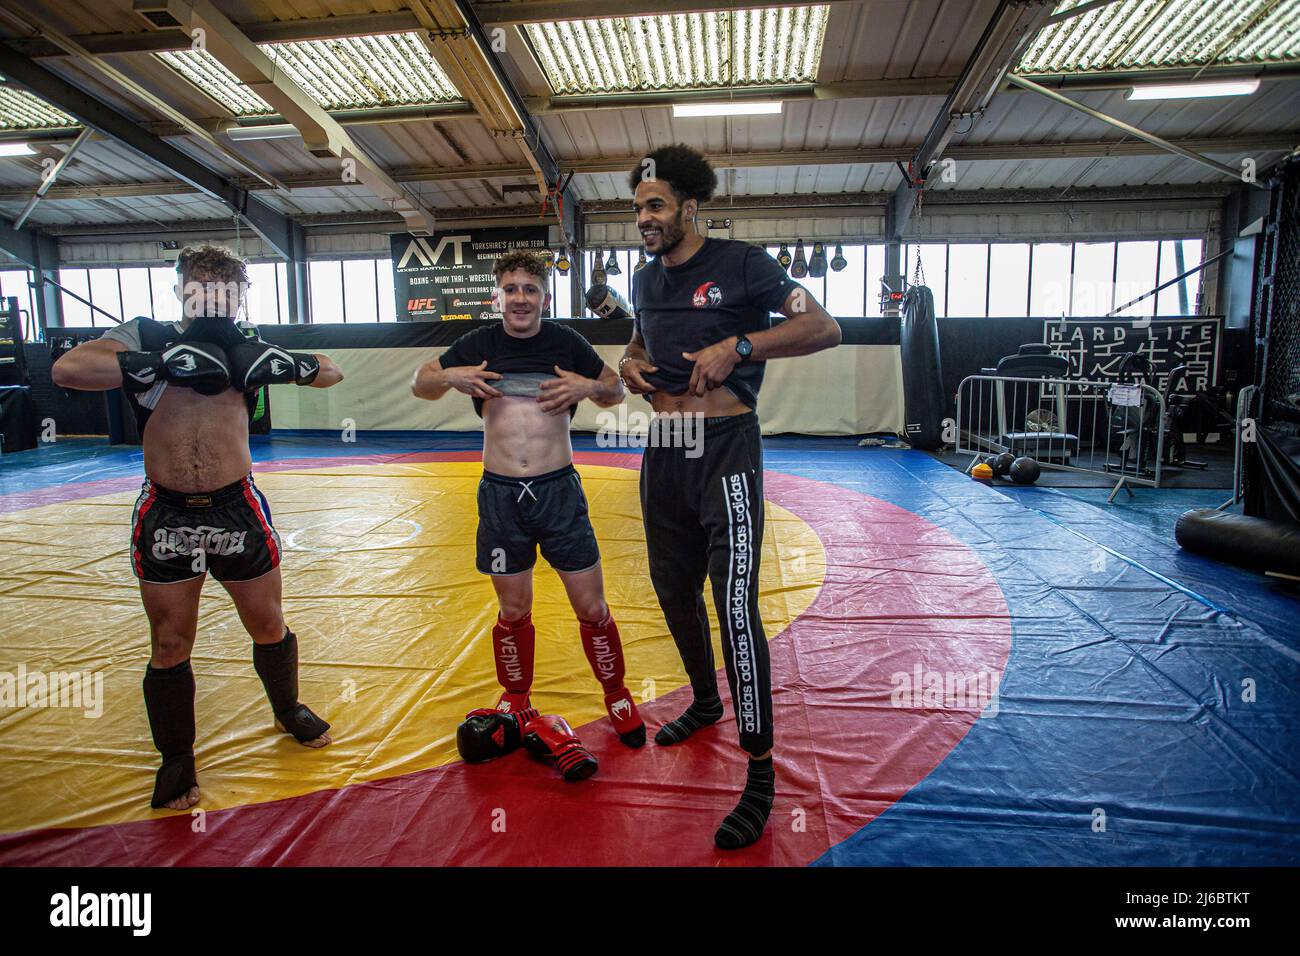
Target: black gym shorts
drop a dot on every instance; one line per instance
(177, 536)
(515, 515)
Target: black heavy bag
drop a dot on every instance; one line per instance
(1256, 543)
(608, 303)
(918, 341)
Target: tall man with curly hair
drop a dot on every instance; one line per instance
(193, 386)
(701, 338)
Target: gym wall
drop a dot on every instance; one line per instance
(851, 390)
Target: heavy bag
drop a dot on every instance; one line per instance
(918, 341)
(1255, 543)
(608, 303)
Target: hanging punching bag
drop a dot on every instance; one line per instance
(817, 261)
(608, 303)
(918, 342)
(799, 268)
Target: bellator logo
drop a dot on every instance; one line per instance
(708, 294)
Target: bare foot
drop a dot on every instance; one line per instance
(185, 802)
(323, 740)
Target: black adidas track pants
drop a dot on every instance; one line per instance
(703, 515)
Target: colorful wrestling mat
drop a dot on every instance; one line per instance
(961, 676)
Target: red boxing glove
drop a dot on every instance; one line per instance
(551, 736)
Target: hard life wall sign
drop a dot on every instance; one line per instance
(1095, 347)
(448, 275)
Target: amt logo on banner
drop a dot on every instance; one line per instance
(427, 257)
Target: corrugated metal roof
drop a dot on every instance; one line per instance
(347, 73)
(681, 52)
(1151, 34)
(21, 110)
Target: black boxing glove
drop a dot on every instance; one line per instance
(486, 733)
(254, 364)
(201, 366)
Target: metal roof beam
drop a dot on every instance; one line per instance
(276, 229)
(1078, 11)
(274, 31)
(455, 37)
(886, 155)
(50, 177)
(1129, 128)
(861, 89)
(1013, 24)
(322, 135)
(515, 12)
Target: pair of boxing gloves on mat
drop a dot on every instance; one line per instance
(210, 369)
(487, 733)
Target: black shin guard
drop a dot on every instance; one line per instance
(277, 665)
(169, 701)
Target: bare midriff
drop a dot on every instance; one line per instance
(197, 443)
(521, 440)
(718, 403)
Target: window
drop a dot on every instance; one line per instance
(1135, 275)
(968, 275)
(282, 290)
(875, 272)
(162, 283)
(137, 298)
(561, 294)
(1009, 278)
(1176, 257)
(326, 282)
(359, 291)
(1049, 292)
(1094, 277)
(262, 304)
(13, 282)
(934, 270)
(105, 293)
(386, 293)
(75, 312)
(844, 290)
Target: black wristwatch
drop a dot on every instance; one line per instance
(744, 347)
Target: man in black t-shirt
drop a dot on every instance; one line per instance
(524, 375)
(701, 335)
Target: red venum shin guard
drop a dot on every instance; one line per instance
(605, 654)
(512, 649)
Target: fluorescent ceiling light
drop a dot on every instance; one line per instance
(1195, 90)
(16, 149)
(734, 108)
(277, 131)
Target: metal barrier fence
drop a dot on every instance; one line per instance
(1077, 425)
(1245, 404)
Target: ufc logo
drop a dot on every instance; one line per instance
(413, 304)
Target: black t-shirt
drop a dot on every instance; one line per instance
(536, 355)
(727, 288)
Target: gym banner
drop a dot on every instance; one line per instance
(448, 275)
(1095, 347)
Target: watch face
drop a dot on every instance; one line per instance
(744, 347)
